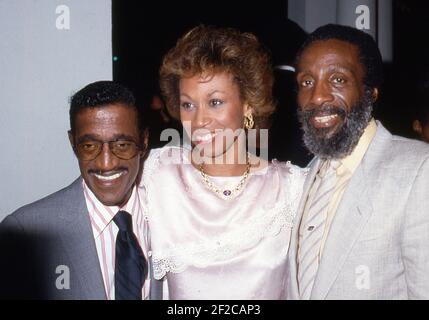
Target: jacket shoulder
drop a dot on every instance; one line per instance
(47, 206)
(407, 151)
(397, 152)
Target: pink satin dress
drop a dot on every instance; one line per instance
(211, 248)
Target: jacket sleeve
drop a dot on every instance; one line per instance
(415, 244)
(18, 274)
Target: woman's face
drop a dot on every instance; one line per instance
(212, 111)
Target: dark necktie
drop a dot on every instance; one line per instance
(130, 263)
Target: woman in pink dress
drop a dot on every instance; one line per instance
(219, 216)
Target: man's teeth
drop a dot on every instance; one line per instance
(109, 178)
(325, 118)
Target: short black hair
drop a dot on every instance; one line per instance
(369, 53)
(99, 94)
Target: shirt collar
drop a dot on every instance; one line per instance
(352, 161)
(100, 214)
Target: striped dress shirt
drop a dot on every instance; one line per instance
(105, 231)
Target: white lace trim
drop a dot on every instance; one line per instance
(153, 160)
(268, 223)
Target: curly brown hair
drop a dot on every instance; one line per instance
(211, 49)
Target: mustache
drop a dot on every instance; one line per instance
(325, 109)
(109, 172)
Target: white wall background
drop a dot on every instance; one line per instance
(40, 67)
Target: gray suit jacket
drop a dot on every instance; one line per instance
(378, 243)
(39, 237)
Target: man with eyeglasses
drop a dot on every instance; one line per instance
(90, 239)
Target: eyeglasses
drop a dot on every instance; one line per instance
(123, 149)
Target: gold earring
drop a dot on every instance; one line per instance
(248, 121)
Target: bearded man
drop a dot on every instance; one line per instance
(362, 231)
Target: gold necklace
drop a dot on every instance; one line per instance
(225, 193)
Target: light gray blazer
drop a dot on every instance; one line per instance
(378, 243)
(56, 231)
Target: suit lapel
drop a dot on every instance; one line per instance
(351, 217)
(79, 247)
(293, 250)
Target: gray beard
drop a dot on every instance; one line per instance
(343, 142)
